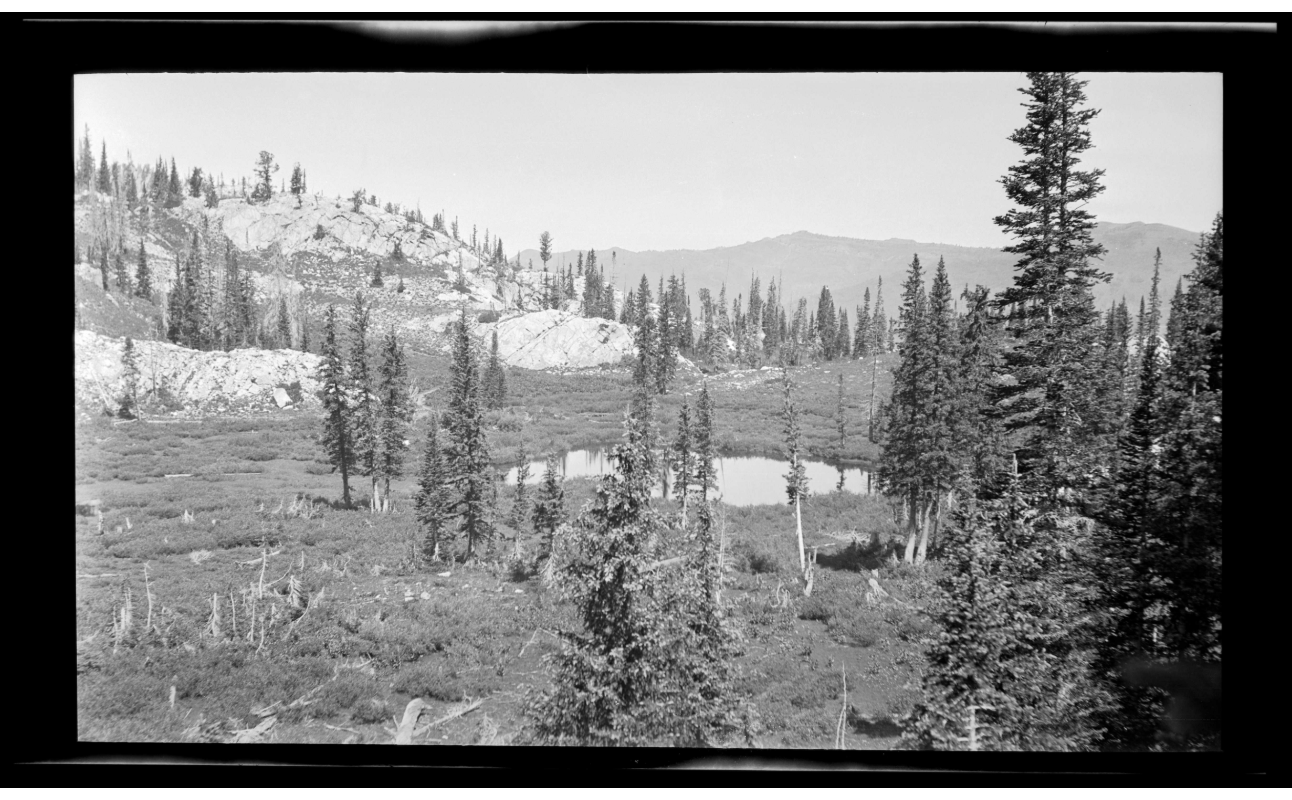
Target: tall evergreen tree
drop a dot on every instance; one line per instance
(826, 324)
(143, 282)
(394, 417)
(706, 477)
(104, 179)
(544, 247)
(129, 408)
(494, 383)
(363, 405)
(467, 451)
(549, 508)
(284, 324)
(905, 425)
(336, 436)
(265, 169)
(433, 497)
(103, 266)
(85, 176)
(174, 194)
(1058, 412)
(123, 275)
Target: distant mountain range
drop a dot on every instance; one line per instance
(807, 261)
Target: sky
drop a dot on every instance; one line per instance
(672, 161)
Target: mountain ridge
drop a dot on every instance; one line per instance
(849, 265)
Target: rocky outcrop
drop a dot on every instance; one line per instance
(201, 382)
(547, 339)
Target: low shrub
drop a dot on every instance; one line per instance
(487, 316)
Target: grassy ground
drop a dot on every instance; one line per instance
(378, 633)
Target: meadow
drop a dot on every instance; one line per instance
(231, 595)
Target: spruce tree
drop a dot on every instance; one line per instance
(905, 422)
(264, 169)
(681, 457)
(129, 408)
(466, 451)
(1057, 402)
(336, 438)
(826, 324)
(549, 508)
(494, 382)
(395, 415)
(647, 665)
(363, 407)
(842, 336)
(103, 266)
(174, 195)
(85, 176)
(104, 182)
(544, 247)
(284, 324)
(706, 476)
(433, 497)
(123, 276)
(861, 345)
(143, 282)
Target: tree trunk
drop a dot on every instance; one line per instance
(374, 504)
(798, 522)
(923, 551)
(912, 508)
(385, 496)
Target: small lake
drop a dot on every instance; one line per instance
(742, 480)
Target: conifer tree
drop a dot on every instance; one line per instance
(336, 436)
(494, 382)
(104, 180)
(129, 408)
(1057, 403)
(298, 183)
(706, 477)
(842, 336)
(681, 457)
(544, 247)
(666, 348)
(284, 324)
(650, 668)
(1190, 452)
(433, 497)
(132, 187)
(143, 282)
(906, 433)
(265, 169)
(879, 322)
(395, 415)
(861, 338)
(85, 176)
(123, 276)
(174, 195)
(796, 486)
(549, 508)
(826, 324)
(363, 408)
(466, 451)
(103, 266)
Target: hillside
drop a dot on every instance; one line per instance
(323, 251)
(807, 261)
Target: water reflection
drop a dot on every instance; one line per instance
(742, 480)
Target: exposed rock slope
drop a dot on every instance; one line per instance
(205, 382)
(546, 339)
